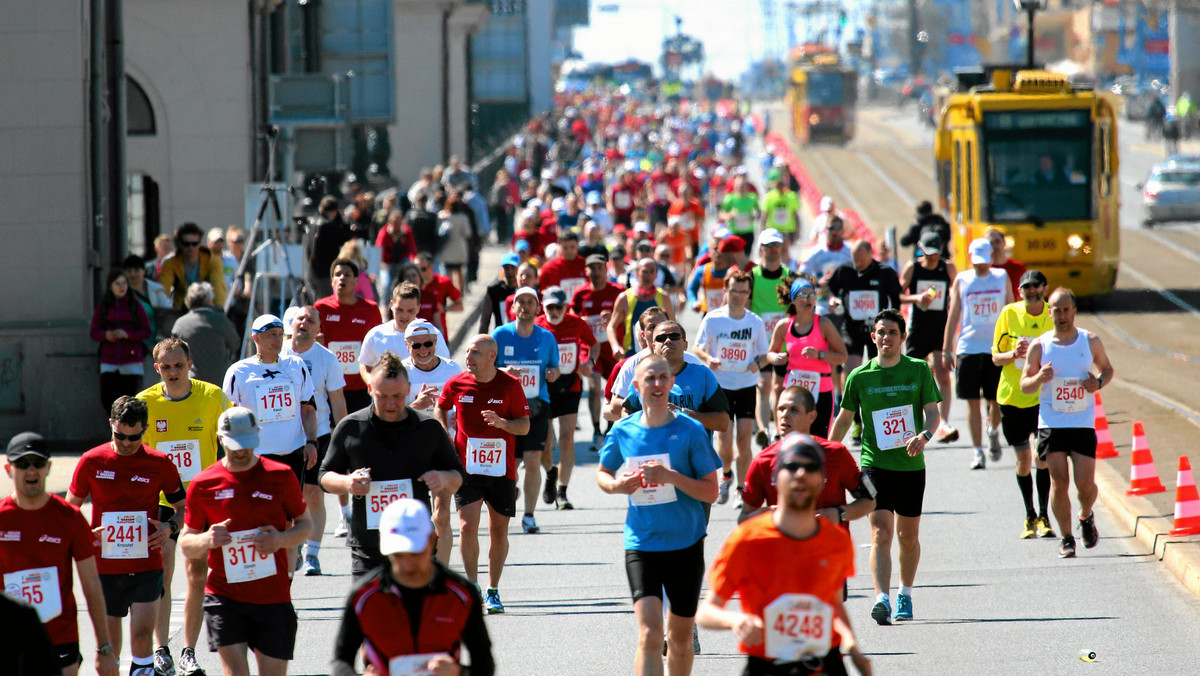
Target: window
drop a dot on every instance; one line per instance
(1039, 166)
(139, 114)
(825, 88)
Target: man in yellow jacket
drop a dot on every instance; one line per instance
(191, 263)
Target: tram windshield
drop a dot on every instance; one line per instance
(1038, 166)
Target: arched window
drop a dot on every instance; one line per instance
(139, 114)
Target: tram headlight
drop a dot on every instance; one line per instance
(1075, 242)
(814, 119)
(1078, 244)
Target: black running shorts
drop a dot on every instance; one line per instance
(125, 589)
(1018, 424)
(978, 377)
(679, 573)
(269, 628)
(897, 491)
(1081, 440)
(500, 493)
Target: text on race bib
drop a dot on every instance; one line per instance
(346, 352)
(599, 328)
(570, 285)
(936, 290)
(713, 299)
(124, 535)
(568, 357)
(894, 426)
(487, 457)
(382, 494)
(275, 402)
(742, 221)
(411, 665)
(1068, 395)
(982, 308)
(797, 625)
(809, 380)
(734, 354)
(780, 216)
(531, 380)
(184, 454)
(687, 221)
(243, 561)
(770, 319)
(648, 493)
(622, 200)
(864, 305)
(37, 587)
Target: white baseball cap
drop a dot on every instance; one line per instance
(419, 327)
(826, 203)
(404, 527)
(770, 236)
(289, 318)
(238, 428)
(981, 251)
(526, 291)
(266, 323)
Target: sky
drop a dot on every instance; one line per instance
(731, 30)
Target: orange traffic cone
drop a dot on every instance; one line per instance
(1104, 443)
(1187, 501)
(1143, 477)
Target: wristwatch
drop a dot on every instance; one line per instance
(106, 649)
(927, 434)
(841, 514)
(313, 442)
(174, 526)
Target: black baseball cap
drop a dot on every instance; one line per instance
(27, 443)
(1032, 277)
(931, 242)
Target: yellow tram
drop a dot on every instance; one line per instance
(822, 95)
(1027, 153)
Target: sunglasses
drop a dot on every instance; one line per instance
(428, 343)
(190, 243)
(236, 241)
(808, 467)
(127, 437)
(26, 463)
(664, 337)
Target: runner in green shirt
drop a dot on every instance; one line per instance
(897, 397)
(781, 210)
(739, 210)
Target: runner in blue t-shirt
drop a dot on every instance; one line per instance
(670, 475)
(530, 354)
(697, 393)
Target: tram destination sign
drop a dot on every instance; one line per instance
(1036, 119)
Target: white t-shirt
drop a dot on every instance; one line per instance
(737, 343)
(327, 377)
(273, 392)
(820, 263)
(437, 377)
(625, 375)
(387, 337)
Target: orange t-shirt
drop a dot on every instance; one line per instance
(760, 564)
(678, 244)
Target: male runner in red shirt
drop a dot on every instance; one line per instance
(345, 321)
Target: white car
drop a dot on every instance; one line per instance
(1172, 192)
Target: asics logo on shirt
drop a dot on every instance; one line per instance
(50, 539)
(140, 479)
(264, 496)
(268, 373)
(495, 401)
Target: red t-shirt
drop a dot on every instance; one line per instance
(502, 394)
(612, 376)
(1014, 269)
(50, 537)
(537, 246)
(433, 301)
(125, 483)
(660, 188)
(267, 494)
(558, 270)
(345, 327)
(841, 475)
(748, 566)
(622, 199)
(570, 331)
(589, 303)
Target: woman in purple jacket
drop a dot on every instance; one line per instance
(119, 325)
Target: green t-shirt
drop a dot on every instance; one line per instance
(892, 402)
(780, 209)
(743, 208)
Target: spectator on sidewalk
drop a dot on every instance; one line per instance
(210, 335)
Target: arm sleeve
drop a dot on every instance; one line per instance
(452, 292)
(913, 235)
(79, 480)
(195, 516)
(446, 398)
(610, 453)
(633, 402)
(714, 396)
(693, 286)
(702, 337)
(849, 395)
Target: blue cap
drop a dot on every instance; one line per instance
(798, 286)
(511, 259)
(522, 245)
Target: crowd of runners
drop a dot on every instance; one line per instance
(628, 216)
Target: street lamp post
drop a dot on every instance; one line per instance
(1030, 7)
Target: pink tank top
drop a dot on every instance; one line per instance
(815, 340)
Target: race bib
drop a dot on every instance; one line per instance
(185, 454)
(486, 457)
(275, 402)
(809, 380)
(124, 535)
(622, 200)
(742, 221)
(599, 328)
(346, 352)
(662, 191)
(734, 354)
(411, 665)
(864, 305)
(651, 494)
(797, 625)
(1068, 395)
(243, 561)
(780, 216)
(687, 221)
(894, 426)
(38, 587)
(382, 494)
(934, 289)
(531, 380)
(568, 356)
(713, 299)
(770, 319)
(982, 308)
(570, 285)
(1019, 364)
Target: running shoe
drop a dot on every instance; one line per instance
(762, 439)
(312, 565)
(529, 525)
(1088, 528)
(695, 640)
(343, 528)
(187, 665)
(1031, 527)
(737, 503)
(903, 607)
(163, 664)
(980, 460)
(597, 441)
(946, 434)
(551, 484)
(994, 444)
(723, 493)
(1066, 550)
(561, 500)
(491, 602)
(882, 611)
(1043, 528)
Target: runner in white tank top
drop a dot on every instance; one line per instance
(1061, 364)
